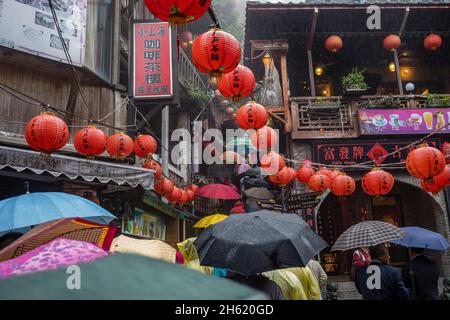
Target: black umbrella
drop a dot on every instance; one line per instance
(256, 242)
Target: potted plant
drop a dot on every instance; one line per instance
(384, 103)
(354, 83)
(323, 104)
(438, 101)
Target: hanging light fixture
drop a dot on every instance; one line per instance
(392, 67)
(267, 59)
(318, 71)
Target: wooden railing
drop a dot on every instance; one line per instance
(187, 73)
(336, 117)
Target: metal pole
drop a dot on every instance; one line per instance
(283, 200)
(397, 69)
(165, 141)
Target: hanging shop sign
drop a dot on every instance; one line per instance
(29, 26)
(359, 151)
(403, 121)
(303, 201)
(152, 71)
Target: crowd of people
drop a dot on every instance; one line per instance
(376, 279)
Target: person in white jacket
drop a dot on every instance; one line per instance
(318, 273)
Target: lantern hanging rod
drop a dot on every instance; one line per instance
(212, 14)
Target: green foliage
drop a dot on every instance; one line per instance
(196, 95)
(354, 80)
(438, 99)
(229, 18)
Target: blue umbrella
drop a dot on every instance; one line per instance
(417, 237)
(35, 208)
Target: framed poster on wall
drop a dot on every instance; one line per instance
(28, 26)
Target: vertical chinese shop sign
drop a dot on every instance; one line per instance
(152, 67)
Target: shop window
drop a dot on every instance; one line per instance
(146, 225)
(99, 37)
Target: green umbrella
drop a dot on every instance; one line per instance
(125, 276)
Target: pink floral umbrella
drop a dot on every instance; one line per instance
(55, 254)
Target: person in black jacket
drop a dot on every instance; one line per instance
(379, 280)
(421, 275)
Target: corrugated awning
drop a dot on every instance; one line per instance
(73, 168)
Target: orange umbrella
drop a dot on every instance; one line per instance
(69, 228)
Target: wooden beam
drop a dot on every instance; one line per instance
(311, 74)
(276, 116)
(397, 71)
(405, 18)
(309, 48)
(284, 81)
(313, 29)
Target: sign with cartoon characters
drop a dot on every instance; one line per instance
(403, 121)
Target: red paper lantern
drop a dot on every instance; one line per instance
(377, 182)
(194, 188)
(305, 171)
(272, 163)
(178, 11)
(216, 52)
(184, 197)
(431, 186)
(191, 195)
(425, 162)
(343, 185)
(46, 133)
(282, 178)
(90, 142)
(153, 165)
(445, 148)
(432, 41)
(164, 186)
(319, 182)
(145, 145)
(264, 138)
(442, 179)
(333, 43)
(175, 195)
(252, 116)
(333, 174)
(292, 173)
(237, 84)
(325, 172)
(392, 42)
(119, 145)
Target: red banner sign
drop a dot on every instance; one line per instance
(152, 67)
(353, 152)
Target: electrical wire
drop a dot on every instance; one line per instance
(66, 53)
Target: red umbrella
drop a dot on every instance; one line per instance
(218, 191)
